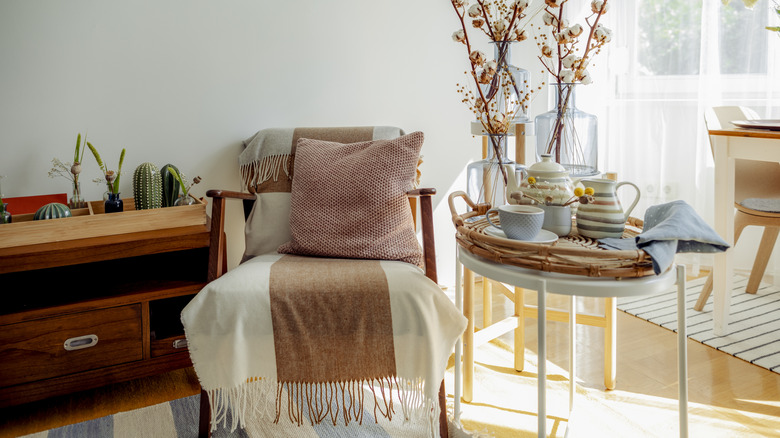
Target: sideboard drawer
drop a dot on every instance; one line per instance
(69, 344)
(175, 344)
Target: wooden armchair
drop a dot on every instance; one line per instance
(423, 305)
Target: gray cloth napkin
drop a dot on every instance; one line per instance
(670, 228)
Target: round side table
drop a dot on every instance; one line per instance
(572, 285)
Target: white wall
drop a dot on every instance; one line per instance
(186, 81)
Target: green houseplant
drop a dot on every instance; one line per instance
(184, 198)
(72, 171)
(114, 203)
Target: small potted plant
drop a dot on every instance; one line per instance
(114, 203)
(72, 171)
(184, 198)
(5, 215)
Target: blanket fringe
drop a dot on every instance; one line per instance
(257, 172)
(337, 402)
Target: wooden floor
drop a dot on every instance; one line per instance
(732, 389)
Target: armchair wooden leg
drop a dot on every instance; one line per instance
(204, 423)
(443, 428)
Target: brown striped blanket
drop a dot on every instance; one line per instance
(264, 345)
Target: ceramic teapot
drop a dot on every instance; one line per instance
(552, 184)
(605, 217)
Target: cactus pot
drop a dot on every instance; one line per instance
(170, 186)
(147, 187)
(52, 210)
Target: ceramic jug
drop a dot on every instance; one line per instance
(605, 217)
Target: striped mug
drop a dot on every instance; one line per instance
(605, 216)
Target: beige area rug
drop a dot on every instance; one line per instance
(505, 406)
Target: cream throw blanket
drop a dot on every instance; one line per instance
(231, 341)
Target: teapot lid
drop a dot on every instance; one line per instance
(547, 165)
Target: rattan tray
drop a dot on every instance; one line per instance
(573, 254)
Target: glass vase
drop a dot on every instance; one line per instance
(184, 199)
(77, 201)
(568, 134)
(487, 179)
(5, 215)
(114, 203)
(510, 85)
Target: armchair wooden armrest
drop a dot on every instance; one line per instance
(426, 221)
(429, 254)
(217, 240)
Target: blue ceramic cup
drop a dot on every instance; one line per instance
(519, 222)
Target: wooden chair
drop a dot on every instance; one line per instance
(757, 199)
(218, 266)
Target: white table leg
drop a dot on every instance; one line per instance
(682, 352)
(572, 350)
(541, 322)
(724, 225)
(458, 385)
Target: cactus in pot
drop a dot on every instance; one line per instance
(52, 210)
(147, 187)
(170, 185)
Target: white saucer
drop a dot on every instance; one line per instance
(544, 236)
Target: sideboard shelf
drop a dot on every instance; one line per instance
(121, 294)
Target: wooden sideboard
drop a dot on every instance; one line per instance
(84, 313)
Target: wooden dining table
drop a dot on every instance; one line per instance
(730, 144)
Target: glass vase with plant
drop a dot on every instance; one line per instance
(72, 171)
(114, 203)
(496, 93)
(568, 134)
(184, 198)
(5, 215)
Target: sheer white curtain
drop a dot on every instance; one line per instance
(668, 62)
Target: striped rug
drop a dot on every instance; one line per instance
(179, 419)
(754, 328)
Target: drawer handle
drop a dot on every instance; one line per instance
(180, 343)
(81, 342)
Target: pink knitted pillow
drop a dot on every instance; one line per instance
(349, 200)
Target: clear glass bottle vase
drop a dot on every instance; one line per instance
(568, 134)
(510, 85)
(184, 199)
(5, 215)
(486, 182)
(77, 200)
